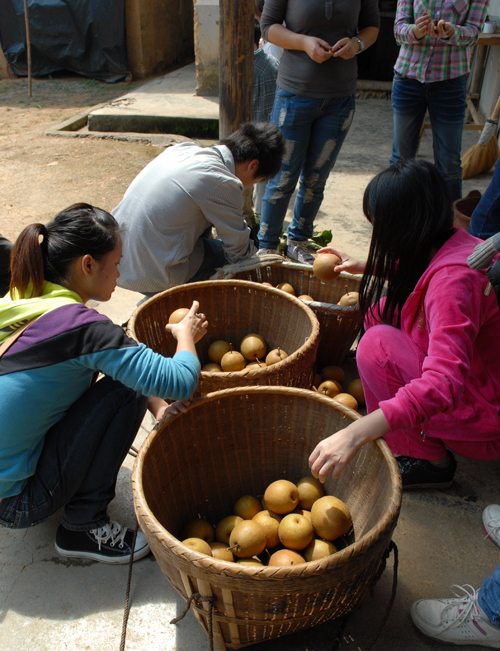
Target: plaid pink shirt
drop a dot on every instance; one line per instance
(434, 59)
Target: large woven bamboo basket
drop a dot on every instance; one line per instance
(236, 442)
(235, 308)
(339, 324)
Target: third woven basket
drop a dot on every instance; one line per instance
(339, 325)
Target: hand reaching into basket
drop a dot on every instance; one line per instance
(190, 330)
(334, 453)
(160, 408)
(349, 264)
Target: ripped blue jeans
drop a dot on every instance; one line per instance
(315, 130)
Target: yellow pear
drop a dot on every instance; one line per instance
(318, 549)
(286, 287)
(285, 557)
(232, 362)
(253, 347)
(282, 496)
(247, 506)
(271, 522)
(303, 512)
(324, 266)
(330, 388)
(347, 400)
(355, 388)
(178, 315)
(225, 526)
(267, 284)
(211, 368)
(198, 528)
(349, 299)
(218, 349)
(295, 531)
(250, 561)
(248, 538)
(305, 297)
(310, 490)
(220, 551)
(330, 517)
(275, 356)
(198, 545)
(333, 373)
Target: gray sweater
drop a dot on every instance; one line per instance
(298, 73)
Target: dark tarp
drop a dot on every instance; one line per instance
(83, 36)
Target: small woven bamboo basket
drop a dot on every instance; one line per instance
(235, 308)
(339, 325)
(236, 442)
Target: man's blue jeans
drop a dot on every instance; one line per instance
(489, 597)
(315, 130)
(445, 101)
(80, 460)
(485, 220)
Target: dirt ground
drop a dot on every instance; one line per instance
(39, 174)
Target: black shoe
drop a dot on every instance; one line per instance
(109, 544)
(420, 473)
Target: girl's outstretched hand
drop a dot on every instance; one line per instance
(193, 325)
(334, 453)
(349, 264)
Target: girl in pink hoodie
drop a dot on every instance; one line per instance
(429, 360)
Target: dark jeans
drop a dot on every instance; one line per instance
(5, 249)
(214, 257)
(80, 460)
(485, 220)
(445, 101)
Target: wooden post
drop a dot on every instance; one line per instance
(28, 43)
(235, 64)
(236, 75)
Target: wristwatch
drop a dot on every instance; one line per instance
(361, 45)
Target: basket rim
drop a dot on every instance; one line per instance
(274, 369)
(305, 267)
(233, 570)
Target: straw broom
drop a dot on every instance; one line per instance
(481, 157)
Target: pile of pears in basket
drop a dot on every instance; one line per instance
(294, 524)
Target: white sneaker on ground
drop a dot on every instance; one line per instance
(298, 251)
(457, 621)
(491, 523)
(266, 252)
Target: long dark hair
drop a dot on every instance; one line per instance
(46, 252)
(410, 209)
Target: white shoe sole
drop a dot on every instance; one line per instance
(109, 560)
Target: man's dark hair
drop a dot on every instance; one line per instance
(256, 33)
(258, 140)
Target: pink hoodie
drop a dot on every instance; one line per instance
(457, 326)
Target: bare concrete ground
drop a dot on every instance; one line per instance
(48, 603)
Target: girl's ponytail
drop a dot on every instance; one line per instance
(26, 261)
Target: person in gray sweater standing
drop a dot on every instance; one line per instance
(314, 105)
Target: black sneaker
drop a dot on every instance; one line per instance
(420, 473)
(109, 544)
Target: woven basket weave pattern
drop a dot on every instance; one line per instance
(235, 308)
(339, 325)
(237, 442)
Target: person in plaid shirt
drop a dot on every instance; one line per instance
(436, 37)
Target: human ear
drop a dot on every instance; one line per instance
(87, 264)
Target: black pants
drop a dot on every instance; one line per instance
(5, 249)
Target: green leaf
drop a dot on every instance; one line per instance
(323, 239)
